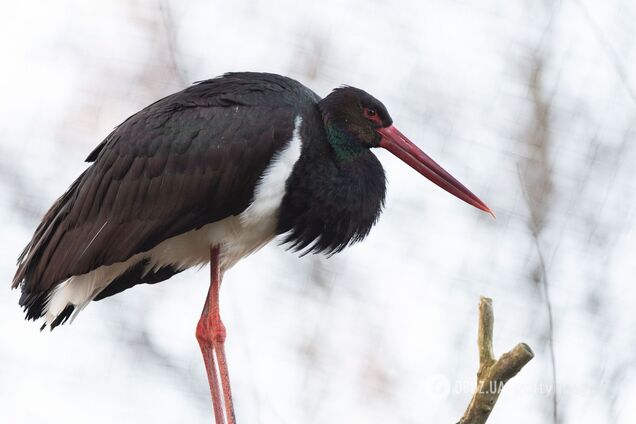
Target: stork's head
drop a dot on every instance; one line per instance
(355, 120)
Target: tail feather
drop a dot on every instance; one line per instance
(33, 299)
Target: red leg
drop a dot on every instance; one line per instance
(211, 336)
(225, 383)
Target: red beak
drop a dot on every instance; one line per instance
(395, 142)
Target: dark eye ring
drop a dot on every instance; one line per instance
(370, 112)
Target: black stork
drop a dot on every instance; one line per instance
(212, 173)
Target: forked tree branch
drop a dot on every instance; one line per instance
(493, 373)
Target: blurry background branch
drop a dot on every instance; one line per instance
(537, 184)
(493, 373)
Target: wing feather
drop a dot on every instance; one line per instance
(185, 161)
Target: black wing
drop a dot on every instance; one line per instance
(187, 160)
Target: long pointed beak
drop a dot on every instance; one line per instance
(395, 142)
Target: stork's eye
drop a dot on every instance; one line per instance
(372, 115)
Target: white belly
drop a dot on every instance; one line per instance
(237, 236)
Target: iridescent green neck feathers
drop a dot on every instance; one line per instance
(346, 147)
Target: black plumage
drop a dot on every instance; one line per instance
(330, 203)
(187, 160)
(137, 274)
(336, 192)
(194, 158)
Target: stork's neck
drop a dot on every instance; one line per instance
(335, 193)
(345, 146)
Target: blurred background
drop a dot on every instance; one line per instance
(532, 104)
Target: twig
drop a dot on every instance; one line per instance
(493, 373)
(535, 228)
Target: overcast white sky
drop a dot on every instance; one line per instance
(498, 92)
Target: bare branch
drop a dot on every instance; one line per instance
(493, 373)
(484, 335)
